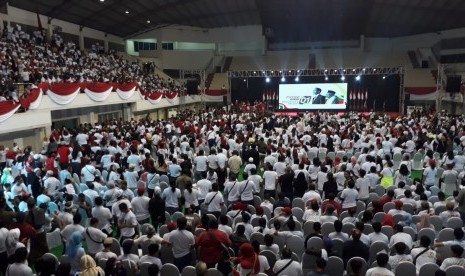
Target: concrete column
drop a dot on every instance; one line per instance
(105, 44)
(81, 39)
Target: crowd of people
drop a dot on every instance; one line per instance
(32, 59)
(224, 187)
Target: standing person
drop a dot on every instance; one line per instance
(204, 185)
(200, 162)
(460, 199)
(157, 209)
(287, 266)
(75, 252)
(231, 189)
(19, 267)
(140, 206)
(94, 237)
(171, 195)
(127, 222)
(349, 196)
(270, 178)
(285, 181)
(153, 181)
(213, 243)
(247, 189)
(300, 185)
(235, 163)
(182, 242)
(190, 197)
(214, 200)
(36, 217)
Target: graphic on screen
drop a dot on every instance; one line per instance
(313, 96)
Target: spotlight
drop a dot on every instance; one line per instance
(290, 71)
(102, 0)
(344, 70)
(298, 71)
(343, 78)
(126, 12)
(245, 80)
(353, 70)
(296, 79)
(148, 21)
(267, 79)
(374, 70)
(357, 78)
(254, 72)
(283, 79)
(280, 71)
(364, 69)
(384, 77)
(326, 70)
(326, 78)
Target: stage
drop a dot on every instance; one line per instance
(392, 115)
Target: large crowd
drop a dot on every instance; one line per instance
(32, 59)
(241, 191)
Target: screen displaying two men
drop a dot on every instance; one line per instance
(313, 96)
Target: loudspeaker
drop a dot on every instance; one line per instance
(453, 84)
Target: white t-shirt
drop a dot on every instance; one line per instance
(214, 201)
(171, 198)
(70, 229)
(129, 219)
(95, 241)
(200, 163)
(181, 240)
(270, 178)
(425, 258)
(379, 271)
(140, 207)
(232, 189)
(350, 198)
(264, 265)
(430, 176)
(88, 173)
(103, 215)
(293, 269)
(82, 138)
(204, 187)
(363, 185)
(19, 269)
(191, 198)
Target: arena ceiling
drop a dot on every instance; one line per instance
(282, 20)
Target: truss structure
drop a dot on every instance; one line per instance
(317, 72)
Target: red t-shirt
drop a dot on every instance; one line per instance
(210, 242)
(63, 151)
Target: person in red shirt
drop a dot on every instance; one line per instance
(50, 164)
(212, 244)
(387, 198)
(331, 201)
(63, 153)
(26, 230)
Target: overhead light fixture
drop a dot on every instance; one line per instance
(126, 12)
(268, 79)
(326, 70)
(148, 21)
(283, 79)
(326, 78)
(296, 79)
(357, 78)
(245, 80)
(384, 77)
(343, 78)
(102, 0)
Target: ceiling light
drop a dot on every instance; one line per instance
(102, 0)
(326, 78)
(343, 78)
(357, 78)
(296, 79)
(148, 21)
(268, 79)
(126, 12)
(384, 77)
(283, 79)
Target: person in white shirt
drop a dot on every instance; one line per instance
(200, 163)
(19, 267)
(400, 256)
(69, 229)
(204, 186)
(91, 193)
(231, 188)
(377, 235)
(51, 184)
(151, 257)
(214, 201)
(270, 245)
(131, 177)
(363, 186)
(311, 194)
(270, 178)
(400, 236)
(134, 160)
(249, 166)
(349, 196)
(106, 253)
(127, 222)
(287, 266)
(223, 225)
(88, 173)
(94, 237)
(338, 234)
(103, 215)
(456, 258)
(247, 189)
(380, 270)
(181, 242)
(140, 206)
(449, 213)
(256, 179)
(171, 195)
(424, 254)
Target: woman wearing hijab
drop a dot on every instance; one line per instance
(424, 222)
(75, 251)
(250, 262)
(89, 267)
(6, 177)
(12, 242)
(388, 221)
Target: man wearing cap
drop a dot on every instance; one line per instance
(140, 206)
(249, 166)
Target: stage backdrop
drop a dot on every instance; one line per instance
(371, 92)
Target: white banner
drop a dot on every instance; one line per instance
(35, 104)
(5, 116)
(98, 97)
(126, 94)
(60, 99)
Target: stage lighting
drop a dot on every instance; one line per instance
(357, 78)
(296, 79)
(326, 70)
(245, 80)
(148, 21)
(374, 70)
(343, 78)
(298, 71)
(384, 77)
(126, 12)
(326, 78)
(290, 71)
(353, 70)
(268, 79)
(254, 72)
(283, 79)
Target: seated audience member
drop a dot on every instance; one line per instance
(250, 262)
(287, 266)
(377, 235)
(270, 245)
(89, 267)
(456, 258)
(355, 248)
(106, 253)
(381, 261)
(338, 234)
(152, 256)
(424, 254)
(400, 236)
(19, 266)
(127, 255)
(399, 256)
